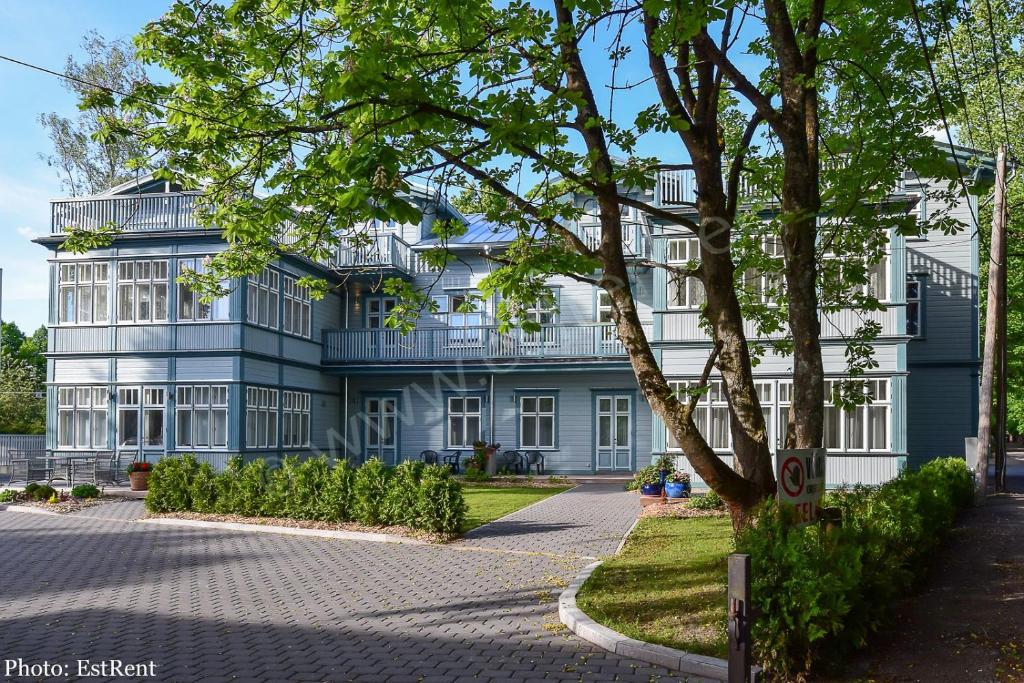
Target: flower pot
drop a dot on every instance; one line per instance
(677, 489)
(650, 489)
(139, 480)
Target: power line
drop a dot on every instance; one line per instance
(999, 77)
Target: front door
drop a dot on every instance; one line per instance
(382, 429)
(614, 432)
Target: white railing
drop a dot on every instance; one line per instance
(485, 342)
(139, 212)
(383, 251)
(634, 238)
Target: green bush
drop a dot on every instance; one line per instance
(250, 487)
(8, 495)
(226, 486)
(203, 489)
(369, 488)
(440, 505)
(821, 594)
(403, 493)
(41, 492)
(85, 491)
(336, 498)
(709, 501)
(170, 484)
(279, 488)
(308, 484)
(30, 488)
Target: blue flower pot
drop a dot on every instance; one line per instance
(677, 489)
(650, 489)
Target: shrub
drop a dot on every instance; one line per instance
(709, 501)
(369, 488)
(822, 594)
(226, 485)
(645, 475)
(85, 491)
(403, 493)
(170, 484)
(440, 505)
(250, 487)
(336, 499)
(8, 496)
(203, 489)
(279, 487)
(41, 492)
(308, 483)
(30, 489)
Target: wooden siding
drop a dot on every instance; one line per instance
(684, 325)
(840, 470)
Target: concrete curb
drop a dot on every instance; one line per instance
(286, 530)
(29, 510)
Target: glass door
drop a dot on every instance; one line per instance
(614, 432)
(382, 429)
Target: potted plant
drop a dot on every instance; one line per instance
(678, 485)
(138, 475)
(664, 465)
(649, 479)
(482, 459)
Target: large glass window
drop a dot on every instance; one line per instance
(295, 418)
(140, 416)
(381, 425)
(190, 305)
(684, 292)
(915, 300)
(260, 417)
(142, 291)
(153, 417)
(296, 308)
(463, 421)
(537, 421)
(82, 417)
(862, 428)
(128, 416)
(466, 324)
(262, 298)
(83, 291)
(201, 416)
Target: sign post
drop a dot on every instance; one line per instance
(801, 476)
(739, 618)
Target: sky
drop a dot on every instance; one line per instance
(42, 32)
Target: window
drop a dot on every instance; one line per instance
(262, 298)
(764, 396)
(201, 416)
(537, 421)
(295, 418)
(862, 428)
(142, 291)
(785, 395)
(152, 417)
(878, 279)
(378, 310)
(83, 290)
(920, 211)
(543, 312)
(381, 432)
(711, 414)
(260, 417)
(466, 324)
(684, 292)
(766, 286)
(296, 308)
(82, 417)
(915, 299)
(127, 417)
(190, 307)
(463, 421)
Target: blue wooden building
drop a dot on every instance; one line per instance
(138, 365)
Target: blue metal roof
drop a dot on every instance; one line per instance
(479, 230)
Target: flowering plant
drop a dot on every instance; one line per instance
(138, 467)
(679, 477)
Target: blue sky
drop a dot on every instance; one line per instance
(43, 32)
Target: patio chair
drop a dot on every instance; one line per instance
(534, 459)
(429, 457)
(452, 459)
(513, 460)
(83, 471)
(106, 468)
(29, 466)
(123, 460)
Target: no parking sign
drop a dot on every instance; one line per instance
(801, 476)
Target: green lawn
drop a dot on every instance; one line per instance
(667, 586)
(488, 503)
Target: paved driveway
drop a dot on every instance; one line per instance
(208, 605)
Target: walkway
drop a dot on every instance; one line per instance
(968, 624)
(208, 605)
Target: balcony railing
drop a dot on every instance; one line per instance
(132, 213)
(552, 342)
(634, 239)
(383, 252)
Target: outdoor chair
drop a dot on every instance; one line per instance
(83, 471)
(452, 458)
(29, 466)
(19, 470)
(512, 460)
(106, 468)
(429, 457)
(535, 459)
(123, 460)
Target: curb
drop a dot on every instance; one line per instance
(29, 510)
(286, 530)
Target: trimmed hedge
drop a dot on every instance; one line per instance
(411, 494)
(821, 594)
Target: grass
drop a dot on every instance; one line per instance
(668, 585)
(488, 503)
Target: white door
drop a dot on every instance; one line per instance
(614, 432)
(383, 340)
(382, 429)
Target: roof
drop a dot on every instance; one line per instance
(479, 231)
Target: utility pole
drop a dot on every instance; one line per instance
(993, 327)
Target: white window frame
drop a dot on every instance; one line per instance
(464, 416)
(83, 281)
(295, 416)
(679, 252)
(538, 414)
(381, 421)
(215, 310)
(298, 311)
(710, 404)
(196, 402)
(132, 281)
(263, 298)
(261, 416)
(78, 407)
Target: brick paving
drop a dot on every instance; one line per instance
(211, 605)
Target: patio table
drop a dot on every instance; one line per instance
(63, 464)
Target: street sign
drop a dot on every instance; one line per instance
(801, 476)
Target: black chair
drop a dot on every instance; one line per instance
(429, 457)
(452, 459)
(534, 459)
(513, 460)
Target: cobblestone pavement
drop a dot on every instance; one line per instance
(209, 605)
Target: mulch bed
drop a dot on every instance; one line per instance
(678, 510)
(70, 505)
(407, 532)
(501, 481)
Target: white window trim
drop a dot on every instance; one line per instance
(268, 284)
(692, 249)
(212, 406)
(76, 285)
(135, 283)
(537, 414)
(262, 408)
(465, 415)
(217, 311)
(298, 301)
(295, 410)
(74, 407)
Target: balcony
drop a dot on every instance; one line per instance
(130, 213)
(594, 341)
(635, 243)
(384, 252)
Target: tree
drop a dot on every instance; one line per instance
(85, 163)
(337, 107)
(983, 70)
(22, 381)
